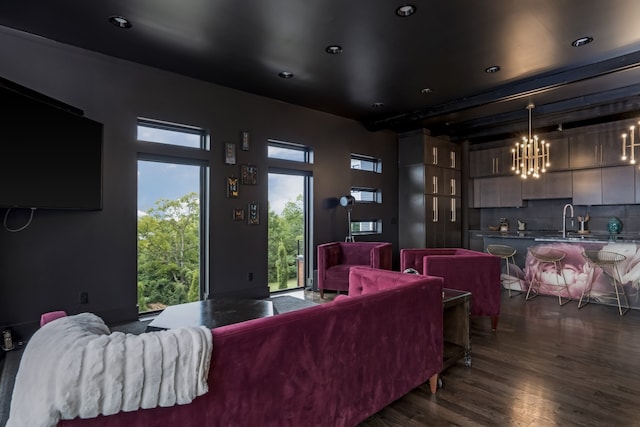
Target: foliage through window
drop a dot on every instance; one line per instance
(170, 212)
(366, 227)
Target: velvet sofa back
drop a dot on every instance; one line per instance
(334, 364)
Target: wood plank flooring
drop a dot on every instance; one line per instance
(545, 366)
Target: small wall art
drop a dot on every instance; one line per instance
(238, 214)
(254, 214)
(245, 140)
(248, 175)
(230, 153)
(232, 187)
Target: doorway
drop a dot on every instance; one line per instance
(288, 230)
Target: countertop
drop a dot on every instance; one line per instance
(556, 236)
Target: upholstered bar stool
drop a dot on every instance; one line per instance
(506, 253)
(546, 258)
(608, 262)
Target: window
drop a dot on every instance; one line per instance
(172, 134)
(366, 195)
(366, 163)
(172, 210)
(289, 151)
(366, 227)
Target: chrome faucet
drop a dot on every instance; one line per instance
(564, 218)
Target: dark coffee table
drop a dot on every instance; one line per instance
(211, 313)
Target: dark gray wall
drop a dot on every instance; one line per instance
(60, 254)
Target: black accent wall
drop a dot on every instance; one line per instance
(63, 253)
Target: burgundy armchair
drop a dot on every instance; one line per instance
(336, 258)
(462, 269)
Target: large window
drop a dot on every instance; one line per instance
(171, 217)
(288, 230)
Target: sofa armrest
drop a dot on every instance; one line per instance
(381, 256)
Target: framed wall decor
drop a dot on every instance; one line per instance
(230, 153)
(254, 214)
(245, 140)
(232, 187)
(238, 214)
(248, 174)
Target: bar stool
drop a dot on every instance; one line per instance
(547, 256)
(608, 263)
(506, 253)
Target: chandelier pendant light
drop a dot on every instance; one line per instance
(531, 156)
(631, 146)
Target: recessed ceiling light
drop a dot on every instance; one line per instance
(492, 69)
(120, 21)
(285, 74)
(426, 90)
(378, 104)
(406, 10)
(334, 49)
(582, 41)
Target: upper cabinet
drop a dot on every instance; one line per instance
(490, 162)
(440, 153)
(604, 186)
(420, 147)
(595, 149)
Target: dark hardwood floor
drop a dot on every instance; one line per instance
(545, 366)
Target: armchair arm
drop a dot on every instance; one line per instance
(381, 256)
(328, 255)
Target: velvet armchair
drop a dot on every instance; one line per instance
(462, 269)
(336, 258)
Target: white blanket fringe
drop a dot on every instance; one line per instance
(74, 367)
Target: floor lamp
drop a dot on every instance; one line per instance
(347, 202)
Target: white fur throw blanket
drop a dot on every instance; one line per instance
(74, 367)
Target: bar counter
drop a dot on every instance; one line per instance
(576, 272)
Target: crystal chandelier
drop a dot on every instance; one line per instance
(632, 145)
(531, 156)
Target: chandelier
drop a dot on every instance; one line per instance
(632, 145)
(531, 156)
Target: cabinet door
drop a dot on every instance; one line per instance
(490, 162)
(584, 150)
(434, 216)
(488, 192)
(510, 191)
(453, 223)
(587, 187)
(532, 188)
(557, 185)
(558, 154)
(618, 185)
(435, 182)
(452, 185)
(611, 147)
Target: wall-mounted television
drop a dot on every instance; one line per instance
(50, 157)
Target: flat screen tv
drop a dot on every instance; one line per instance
(50, 158)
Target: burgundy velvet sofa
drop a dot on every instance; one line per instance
(463, 269)
(336, 258)
(334, 364)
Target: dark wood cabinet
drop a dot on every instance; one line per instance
(497, 192)
(604, 186)
(430, 192)
(595, 149)
(490, 162)
(550, 185)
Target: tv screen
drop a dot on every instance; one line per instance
(49, 158)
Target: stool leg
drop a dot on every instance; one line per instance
(558, 268)
(513, 261)
(624, 295)
(534, 279)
